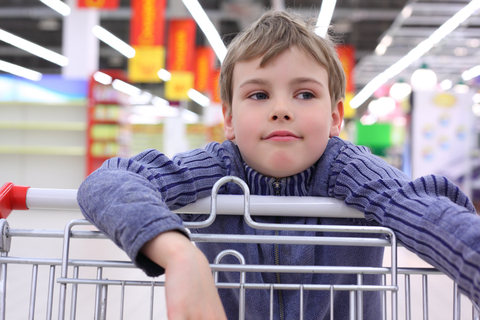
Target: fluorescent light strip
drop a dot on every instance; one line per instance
(325, 17)
(20, 71)
(33, 48)
(126, 88)
(103, 78)
(113, 42)
(164, 75)
(471, 73)
(159, 102)
(198, 97)
(207, 27)
(415, 53)
(59, 6)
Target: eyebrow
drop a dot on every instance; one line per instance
(303, 80)
(255, 81)
(295, 81)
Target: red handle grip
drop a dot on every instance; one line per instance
(12, 197)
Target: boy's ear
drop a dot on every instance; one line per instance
(227, 122)
(337, 118)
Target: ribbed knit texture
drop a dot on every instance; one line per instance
(129, 200)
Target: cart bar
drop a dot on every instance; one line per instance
(25, 198)
(12, 197)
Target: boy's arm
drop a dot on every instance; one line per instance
(429, 215)
(130, 200)
(190, 289)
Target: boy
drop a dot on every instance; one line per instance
(282, 89)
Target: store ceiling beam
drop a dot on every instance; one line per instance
(43, 12)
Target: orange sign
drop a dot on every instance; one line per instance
(147, 38)
(181, 45)
(147, 26)
(180, 58)
(215, 86)
(204, 67)
(100, 4)
(346, 53)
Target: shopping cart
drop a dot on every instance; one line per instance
(96, 295)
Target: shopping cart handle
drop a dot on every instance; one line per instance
(12, 197)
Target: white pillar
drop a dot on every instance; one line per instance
(175, 133)
(80, 46)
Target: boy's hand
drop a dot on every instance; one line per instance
(189, 287)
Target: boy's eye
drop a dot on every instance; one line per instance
(305, 95)
(259, 96)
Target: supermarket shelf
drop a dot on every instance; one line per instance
(43, 150)
(53, 126)
(78, 103)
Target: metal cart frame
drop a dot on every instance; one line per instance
(21, 198)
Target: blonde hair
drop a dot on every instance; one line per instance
(273, 33)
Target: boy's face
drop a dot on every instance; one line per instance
(281, 117)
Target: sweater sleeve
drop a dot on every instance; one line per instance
(130, 200)
(430, 215)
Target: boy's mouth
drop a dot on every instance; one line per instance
(281, 136)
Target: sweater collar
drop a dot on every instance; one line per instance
(296, 185)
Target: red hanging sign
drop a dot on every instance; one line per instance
(147, 30)
(181, 45)
(99, 4)
(346, 53)
(180, 58)
(204, 68)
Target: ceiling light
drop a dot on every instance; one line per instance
(126, 88)
(164, 75)
(423, 79)
(473, 43)
(142, 99)
(446, 84)
(415, 53)
(113, 42)
(476, 109)
(20, 71)
(103, 78)
(380, 49)
(461, 88)
(325, 17)
(159, 102)
(33, 48)
(460, 51)
(207, 27)
(406, 12)
(198, 97)
(386, 41)
(59, 6)
(400, 90)
(471, 73)
(382, 106)
(476, 98)
(48, 25)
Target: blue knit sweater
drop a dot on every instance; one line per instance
(130, 201)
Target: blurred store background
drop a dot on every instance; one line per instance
(85, 80)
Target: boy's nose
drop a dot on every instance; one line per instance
(281, 112)
(285, 117)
